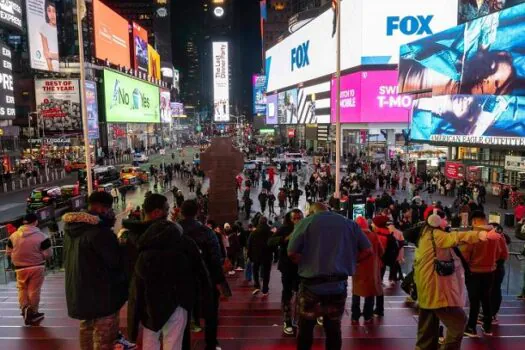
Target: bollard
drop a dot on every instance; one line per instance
(34, 180)
(63, 173)
(5, 187)
(21, 184)
(56, 175)
(28, 182)
(13, 186)
(41, 179)
(47, 178)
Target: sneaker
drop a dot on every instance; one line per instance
(265, 294)
(441, 339)
(256, 291)
(471, 333)
(495, 320)
(123, 344)
(379, 314)
(320, 321)
(37, 317)
(287, 328)
(486, 332)
(28, 315)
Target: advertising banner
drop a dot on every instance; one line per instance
(314, 104)
(472, 9)
(42, 35)
(111, 35)
(58, 104)
(271, 110)
(140, 44)
(7, 97)
(129, 100)
(371, 97)
(482, 57)
(165, 107)
(454, 170)
(11, 14)
(371, 33)
(177, 110)
(514, 163)
(259, 94)
(221, 83)
(153, 63)
(92, 110)
(470, 119)
(287, 107)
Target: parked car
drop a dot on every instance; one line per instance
(140, 158)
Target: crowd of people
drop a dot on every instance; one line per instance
(171, 264)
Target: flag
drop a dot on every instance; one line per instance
(335, 8)
(264, 11)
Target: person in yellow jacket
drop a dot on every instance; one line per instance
(442, 296)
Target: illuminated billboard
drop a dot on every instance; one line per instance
(153, 63)
(111, 35)
(129, 100)
(42, 35)
(259, 93)
(472, 9)
(58, 104)
(140, 45)
(221, 84)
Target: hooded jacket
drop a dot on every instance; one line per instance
(96, 284)
(28, 247)
(168, 274)
(258, 249)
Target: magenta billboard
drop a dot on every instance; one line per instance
(371, 97)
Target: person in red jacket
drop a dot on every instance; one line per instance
(519, 212)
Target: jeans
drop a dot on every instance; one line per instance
(368, 308)
(496, 298)
(100, 333)
(290, 282)
(29, 283)
(248, 272)
(479, 287)
(172, 333)
(263, 268)
(211, 323)
(453, 318)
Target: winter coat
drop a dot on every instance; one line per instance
(434, 291)
(96, 283)
(168, 273)
(258, 249)
(366, 281)
(28, 247)
(286, 266)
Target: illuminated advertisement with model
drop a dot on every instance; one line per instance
(259, 94)
(271, 110)
(472, 9)
(221, 83)
(470, 119)
(42, 35)
(129, 100)
(371, 97)
(140, 45)
(485, 57)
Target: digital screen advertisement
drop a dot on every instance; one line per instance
(140, 44)
(371, 34)
(259, 94)
(92, 110)
(472, 9)
(58, 103)
(470, 119)
(514, 163)
(7, 96)
(11, 14)
(454, 170)
(153, 63)
(271, 110)
(485, 57)
(42, 35)
(165, 107)
(371, 97)
(221, 84)
(177, 110)
(111, 35)
(129, 100)
(287, 107)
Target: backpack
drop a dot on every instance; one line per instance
(391, 250)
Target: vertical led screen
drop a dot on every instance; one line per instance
(140, 45)
(7, 98)
(42, 35)
(259, 94)
(271, 110)
(472, 9)
(92, 110)
(153, 63)
(221, 84)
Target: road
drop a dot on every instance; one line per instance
(13, 205)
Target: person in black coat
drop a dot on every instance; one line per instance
(261, 255)
(289, 274)
(168, 273)
(95, 278)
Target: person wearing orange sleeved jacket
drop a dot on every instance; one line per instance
(441, 292)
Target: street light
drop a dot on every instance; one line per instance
(218, 12)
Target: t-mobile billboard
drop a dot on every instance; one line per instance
(371, 97)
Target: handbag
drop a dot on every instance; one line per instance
(408, 285)
(443, 267)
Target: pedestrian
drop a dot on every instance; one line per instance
(289, 275)
(123, 190)
(260, 254)
(234, 247)
(96, 282)
(271, 203)
(29, 248)
(439, 276)
(482, 260)
(191, 184)
(209, 245)
(366, 282)
(263, 200)
(322, 292)
(167, 261)
(115, 195)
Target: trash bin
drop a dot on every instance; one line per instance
(509, 219)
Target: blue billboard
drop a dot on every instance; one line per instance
(259, 94)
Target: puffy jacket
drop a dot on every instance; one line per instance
(209, 246)
(366, 281)
(482, 257)
(258, 249)
(96, 283)
(436, 291)
(28, 247)
(168, 273)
